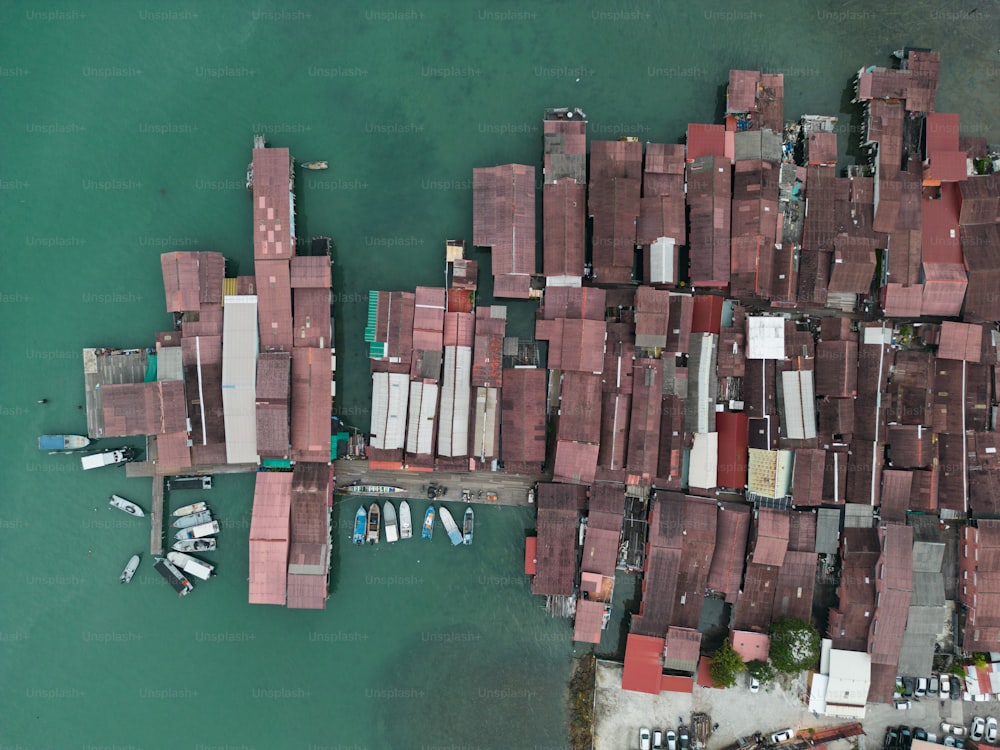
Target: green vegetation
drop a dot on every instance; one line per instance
(980, 660)
(727, 665)
(761, 671)
(957, 669)
(794, 645)
(581, 703)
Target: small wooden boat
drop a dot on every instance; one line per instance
(405, 521)
(374, 526)
(389, 518)
(428, 530)
(372, 489)
(360, 523)
(450, 526)
(187, 510)
(206, 544)
(314, 165)
(130, 567)
(117, 501)
(467, 524)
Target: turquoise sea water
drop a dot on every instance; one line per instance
(127, 128)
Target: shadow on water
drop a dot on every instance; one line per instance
(854, 152)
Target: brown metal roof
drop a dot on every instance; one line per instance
(579, 408)
(679, 330)
(742, 93)
(896, 489)
(709, 203)
(793, 595)
(853, 265)
(311, 404)
(310, 272)
(644, 432)
(172, 451)
(565, 145)
(613, 202)
(565, 227)
(306, 591)
(192, 279)
(144, 408)
(771, 539)
(981, 250)
(652, 313)
(671, 443)
(659, 586)
(807, 477)
(555, 553)
(274, 305)
(980, 200)
(272, 205)
(910, 446)
(616, 410)
(836, 417)
(960, 341)
(503, 218)
(726, 570)
(312, 325)
(756, 600)
(836, 368)
(894, 583)
(573, 302)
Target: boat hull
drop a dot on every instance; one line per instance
(130, 567)
(467, 525)
(196, 532)
(62, 442)
(195, 519)
(389, 521)
(191, 565)
(450, 526)
(374, 524)
(428, 528)
(195, 545)
(372, 489)
(117, 501)
(187, 510)
(405, 521)
(360, 524)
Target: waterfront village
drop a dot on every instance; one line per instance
(765, 385)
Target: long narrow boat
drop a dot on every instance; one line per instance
(314, 165)
(62, 442)
(405, 521)
(468, 521)
(173, 576)
(374, 517)
(187, 510)
(372, 489)
(130, 567)
(196, 532)
(205, 544)
(389, 521)
(360, 522)
(191, 565)
(428, 530)
(117, 501)
(186, 522)
(450, 526)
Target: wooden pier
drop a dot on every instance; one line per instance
(107, 367)
(156, 518)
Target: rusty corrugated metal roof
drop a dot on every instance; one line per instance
(310, 271)
(144, 408)
(564, 224)
(272, 236)
(274, 304)
(311, 404)
(504, 220)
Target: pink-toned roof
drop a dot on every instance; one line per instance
(428, 318)
(487, 355)
(459, 329)
(939, 227)
(961, 341)
(942, 132)
(705, 140)
(310, 271)
(268, 570)
(772, 537)
(749, 645)
(652, 312)
(522, 420)
(574, 302)
(269, 532)
(742, 93)
(901, 301)
(822, 148)
(587, 626)
(311, 404)
(172, 451)
(274, 305)
(726, 570)
(311, 318)
(643, 664)
(530, 555)
(144, 408)
(580, 346)
(306, 591)
(575, 462)
(272, 234)
(580, 408)
(565, 227)
(555, 553)
(180, 281)
(504, 217)
(946, 166)
(944, 289)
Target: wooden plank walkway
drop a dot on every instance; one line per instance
(156, 518)
(105, 369)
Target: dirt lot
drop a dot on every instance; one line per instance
(739, 713)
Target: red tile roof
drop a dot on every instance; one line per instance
(705, 140)
(272, 205)
(310, 272)
(274, 305)
(269, 533)
(311, 404)
(643, 664)
(732, 466)
(565, 228)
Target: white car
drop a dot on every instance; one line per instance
(754, 685)
(657, 739)
(945, 687)
(644, 739)
(991, 730)
(671, 737)
(921, 690)
(783, 736)
(978, 728)
(903, 705)
(956, 729)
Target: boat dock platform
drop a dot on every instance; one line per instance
(106, 367)
(156, 519)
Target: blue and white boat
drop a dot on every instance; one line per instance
(469, 520)
(62, 442)
(428, 530)
(450, 526)
(360, 525)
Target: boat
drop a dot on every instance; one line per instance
(450, 526)
(196, 532)
(467, 524)
(189, 483)
(373, 524)
(173, 576)
(428, 530)
(187, 510)
(405, 521)
(195, 519)
(108, 458)
(360, 522)
(191, 565)
(117, 501)
(372, 489)
(130, 567)
(62, 442)
(205, 544)
(314, 165)
(391, 528)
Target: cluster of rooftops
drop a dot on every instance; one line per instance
(762, 367)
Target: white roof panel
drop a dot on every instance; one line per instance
(765, 337)
(703, 472)
(239, 378)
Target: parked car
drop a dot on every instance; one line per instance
(671, 738)
(754, 685)
(956, 729)
(683, 743)
(945, 686)
(644, 739)
(921, 690)
(949, 741)
(891, 738)
(783, 736)
(991, 730)
(908, 687)
(956, 688)
(932, 685)
(657, 739)
(919, 733)
(904, 704)
(905, 736)
(978, 728)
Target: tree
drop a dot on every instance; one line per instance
(794, 645)
(726, 666)
(761, 671)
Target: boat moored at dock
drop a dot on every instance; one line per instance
(173, 576)
(130, 567)
(389, 519)
(428, 529)
(117, 501)
(62, 442)
(191, 565)
(450, 526)
(195, 519)
(205, 544)
(374, 519)
(107, 458)
(187, 510)
(360, 523)
(196, 532)
(467, 524)
(405, 521)
(372, 489)
(189, 483)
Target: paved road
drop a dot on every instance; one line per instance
(511, 489)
